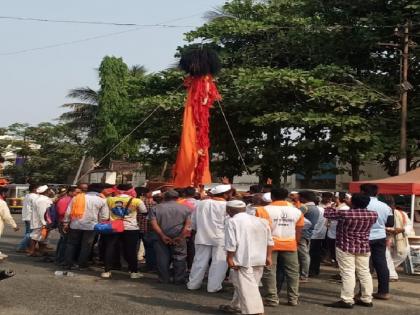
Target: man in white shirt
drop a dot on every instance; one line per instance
(5, 216)
(28, 205)
(318, 235)
(208, 222)
(248, 244)
(317, 241)
(83, 213)
(38, 222)
(342, 203)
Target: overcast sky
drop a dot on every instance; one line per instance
(34, 84)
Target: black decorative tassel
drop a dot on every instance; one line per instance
(199, 60)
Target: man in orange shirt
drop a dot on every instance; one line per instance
(286, 225)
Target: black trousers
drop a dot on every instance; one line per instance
(315, 252)
(60, 252)
(190, 251)
(177, 254)
(378, 259)
(148, 240)
(331, 248)
(128, 241)
(79, 239)
(101, 248)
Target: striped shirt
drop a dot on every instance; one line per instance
(353, 228)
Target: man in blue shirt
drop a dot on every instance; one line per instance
(377, 239)
(311, 213)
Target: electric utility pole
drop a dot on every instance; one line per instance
(404, 87)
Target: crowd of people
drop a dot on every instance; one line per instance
(263, 240)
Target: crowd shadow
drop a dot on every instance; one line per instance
(171, 303)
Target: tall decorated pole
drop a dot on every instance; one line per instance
(192, 165)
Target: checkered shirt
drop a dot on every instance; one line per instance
(142, 217)
(353, 228)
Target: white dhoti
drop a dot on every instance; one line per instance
(217, 271)
(141, 252)
(390, 263)
(247, 295)
(395, 257)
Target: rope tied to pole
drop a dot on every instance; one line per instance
(119, 143)
(234, 140)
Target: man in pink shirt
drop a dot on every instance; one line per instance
(61, 205)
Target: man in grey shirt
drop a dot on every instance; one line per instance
(80, 226)
(311, 213)
(171, 222)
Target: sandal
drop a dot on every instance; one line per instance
(4, 274)
(229, 309)
(34, 255)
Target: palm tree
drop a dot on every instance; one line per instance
(218, 12)
(137, 71)
(81, 114)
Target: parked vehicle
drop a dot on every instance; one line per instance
(15, 196)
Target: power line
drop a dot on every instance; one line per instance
(139, 26)
(47, 20)
(18, 52)
(71, 21)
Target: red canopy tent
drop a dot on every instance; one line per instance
(405, 184)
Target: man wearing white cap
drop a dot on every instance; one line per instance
(294, 197)
(248, 244)
(208, 222)
(267, 197)
(40, 206)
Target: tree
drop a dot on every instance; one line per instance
(114, 109)
(83, 113)
(304, 85)
(137, 71)
(50, 153)
(160, 134)
(337, 42)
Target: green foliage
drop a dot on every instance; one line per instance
(82, 113)
(51, 153)
(310, 67)
(112, 120)
(304, 84)
(160, 134)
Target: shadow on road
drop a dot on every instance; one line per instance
(171, 303)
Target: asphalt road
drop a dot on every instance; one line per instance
(36, 290)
